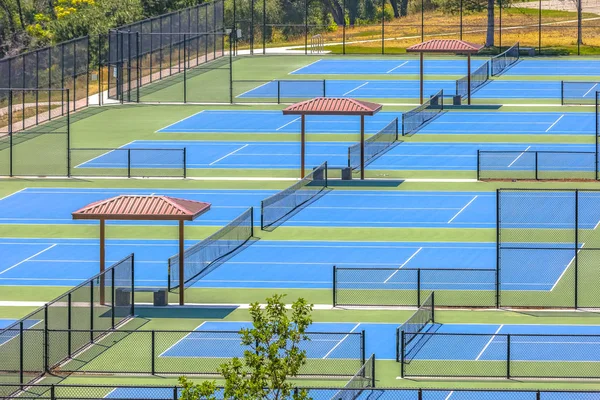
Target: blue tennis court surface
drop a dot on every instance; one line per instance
(360, 208)
(399, 66)
(491, 346)
(402, 89)
(286, 155)
(288, 264)
(447, 123)
(9, 335)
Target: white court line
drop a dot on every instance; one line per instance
(180, 340)
(403, 264)
(356, 88)
(102, 155)
(181, 120)
(592, 88)
(519, 156)
(397, 66)
(488, 343)
(253, 89)
(463, 209)
(228, 154)
(307, 65)
(340, 342)
(449, 394)
(597, 224)
(555, 122)
(109, 393)
(8, 195)
(28, 258)
(566, 268)
(291, 122)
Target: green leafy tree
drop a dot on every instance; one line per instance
(273, 356)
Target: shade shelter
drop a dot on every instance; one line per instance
(332, 106)
(445, 46)
(142, 208)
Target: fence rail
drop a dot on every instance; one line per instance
(93, 392)
(537, 165)
(458, 287)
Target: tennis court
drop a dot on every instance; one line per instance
(401, 89)
(448, 123)
(289, 264)
(359, 208)
(399, 66)
(286, 155)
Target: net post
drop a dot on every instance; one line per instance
(508, 356)
(21, 354)
(538, 395)
(362, 348)
(442, 99)
(418, 287)
(402, 124)
(325, 175)
(562, 93)
(184, 162)
(153, 351)
(252, 221)
(262, 215)
(175, 396)
(396, 128)
(420, 394)
(334, 285)
(278, 91)
(397, 344)
(324, 88)
(536, 165)
(402, 354)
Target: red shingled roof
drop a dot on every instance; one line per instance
(333, 106)
(128, 207)
(445, 46)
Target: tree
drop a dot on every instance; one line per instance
(272, 356)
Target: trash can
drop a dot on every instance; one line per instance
(456, 100)
(160, 298)
(347, 174)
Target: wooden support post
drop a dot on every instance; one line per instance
(102, 258)
(302, 145)
(181, 263)
(469, 79)
(362, 147)
(422, 74)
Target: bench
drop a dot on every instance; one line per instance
(123, 296)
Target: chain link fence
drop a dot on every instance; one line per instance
(29, 348)
(547, 246)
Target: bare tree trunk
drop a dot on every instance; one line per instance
(4, 5)
(579, 22)
(403, 8)
(489, 39)
(20, 10)
(395, 8)
(336, 11)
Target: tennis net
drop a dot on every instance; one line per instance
(413, 120)
(504, 60)
(204, 256)
(374, 145)
(279, 205)
(364, 379)
(415, 324)
(478, 77)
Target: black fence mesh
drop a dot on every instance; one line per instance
(537, 165)
(41, 341)
(69, 392)
(34, 132)
(171, 58)
(122, 352)
(128, 162)
(278, 90)
(577, 92)
(409, 286)
(547, 243)
(434, 354)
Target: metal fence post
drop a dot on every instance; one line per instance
(52, 392)
(132, 284)
(264, 27)
(344, 27)
(334, 285)
(112, 296)
(402, 353)
(508, 356)
(21, 354)
(153, 352)
(175, 396)
(306, 27)
(363, 349)
(92, 310)
(69, 324)
(46, 341)
(184, 69)
(10, 129)
(498, 293)
(418, 287)
(540, 27)
(373, 381)
(536, 166)
(576, 257)
(69, 133)
(382, 26)
(184, 162)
